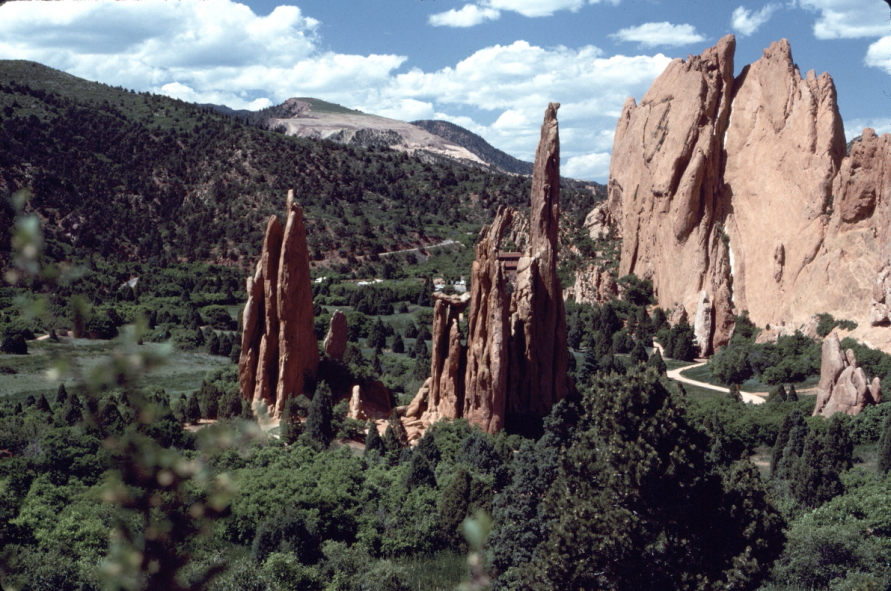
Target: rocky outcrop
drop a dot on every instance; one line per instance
(516, 352)
(598, 222)
(593, 285)
(278, 348)
(665, 186)
(488, 331)
(740, 187)
(702, 324)
(370, 400)
(336, 340)
(445, 394)
(537, 376)
(843, 386)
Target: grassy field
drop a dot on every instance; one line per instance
(182, 372)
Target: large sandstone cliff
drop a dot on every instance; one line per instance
(740, 188)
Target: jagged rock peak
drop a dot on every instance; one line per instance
(516, 353)
(665, 191)
(278, 348)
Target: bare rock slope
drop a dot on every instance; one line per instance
(740, 188)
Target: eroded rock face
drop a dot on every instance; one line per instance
(537, 376)
(447, 359)
(516, 351)
(278, 347)
(336, 340)
(665, 186)
(488, 331)
(741, 188)
(843, 386)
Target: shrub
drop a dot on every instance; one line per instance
(14, 345)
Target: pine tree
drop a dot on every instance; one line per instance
(884, 459)
(657, 363)
(377, 335)
(213, 344)
(792, 396)
(590, 366)
(619, 505)
(785, 458)
(61, 395)
(639, 353)
(427, 448)
(290, 427)
(816, 478)
(453, 506)
(192, 410)
(777, 395)
(319, 423)
(398, 345)
(376, 366)
(419, 473)
(373, 441)
(42, 405)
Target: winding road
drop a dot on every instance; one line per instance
(675, 374)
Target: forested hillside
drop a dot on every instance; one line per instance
(146, 177)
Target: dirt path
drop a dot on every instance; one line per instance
(444, 243)
(675, 374)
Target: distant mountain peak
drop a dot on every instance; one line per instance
(476, 145)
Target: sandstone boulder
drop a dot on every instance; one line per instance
(336, 340)
(843, 386)
(678, 315)
(598, 222)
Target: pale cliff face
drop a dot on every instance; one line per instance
(741, 188)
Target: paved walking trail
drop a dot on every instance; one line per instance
(675, 374)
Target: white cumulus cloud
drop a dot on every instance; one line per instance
(846, 19)
(656, 34)
(588, 166)
(220, 52)
(469, 15)
(746, 22)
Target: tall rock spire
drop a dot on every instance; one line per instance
(537, 379)
(278, 346)
(516, 352)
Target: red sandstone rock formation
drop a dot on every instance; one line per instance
(843, 386)
(336, 340)
(665, 187)
(447, 359)
(278, 346)
(516, 351)
(741, 188)
(537, 375)
(488, 331)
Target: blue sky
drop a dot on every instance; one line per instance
(488, 65)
